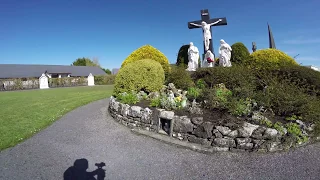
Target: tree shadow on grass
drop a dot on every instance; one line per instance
(79, 171)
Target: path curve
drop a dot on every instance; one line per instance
(90, 132)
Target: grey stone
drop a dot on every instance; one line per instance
(236, 150)
(233, 134)
(197, 140)
(241, 141)
(259, 132)
(217, 134)
(208, 126)
(182, 124)
(274, 146)
(257, 143)
(224, 130)
(146, 115)
(200, 132)
(224, 142)
(270, 133)
(220, 149)
(167, 114)
(247, 146)
(114, 105)
(310, 127)
(247, 129)
(197, 120)
(135, 111)
(124, 109)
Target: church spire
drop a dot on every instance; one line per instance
(272, 44)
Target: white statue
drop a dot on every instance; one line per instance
(225, 54)
(171, 96)
(193, 57)
(206, 32)
(208, 59)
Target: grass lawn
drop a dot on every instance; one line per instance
(24, 113)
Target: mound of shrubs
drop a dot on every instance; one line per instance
(269, 58)
(148, 52)
(143, 75)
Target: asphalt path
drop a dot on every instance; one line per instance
(90, 132)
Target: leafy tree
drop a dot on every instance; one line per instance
(86, 62)
(106, 70)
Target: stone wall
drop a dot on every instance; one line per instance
(245, 137)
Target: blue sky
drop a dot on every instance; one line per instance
(59, 31)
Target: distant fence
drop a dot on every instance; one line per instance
(33, 83)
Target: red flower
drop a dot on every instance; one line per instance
(209, 60)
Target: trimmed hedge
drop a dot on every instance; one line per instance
(146, 75)
(240, 53)
(148, 52)
(104, 79)
(270, 58)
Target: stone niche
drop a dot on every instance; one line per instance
(165, 122)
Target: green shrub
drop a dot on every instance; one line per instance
(266, 122)
(239, 107)
(144, 75)
(240, 53)
(283, 99)
(183, 56)
(301, 76)
(279, 127)
(148, 52)
(180, 78)
(104, 79)
(201, 84)
(239, 79)
(269, 58)
(217, 97)
(294, 129)
(128, 98)
(193, 93)
(155, 102)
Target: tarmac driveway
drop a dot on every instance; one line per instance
(89, 132)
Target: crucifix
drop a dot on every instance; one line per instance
(205, 23)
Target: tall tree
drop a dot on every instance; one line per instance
(86, 62)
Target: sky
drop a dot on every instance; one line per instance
(60, 31)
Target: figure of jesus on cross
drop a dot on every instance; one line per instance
(206, 32)
(205, 23)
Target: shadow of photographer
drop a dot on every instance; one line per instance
(79, 171)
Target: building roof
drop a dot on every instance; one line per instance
(115, 70)
(30, 70)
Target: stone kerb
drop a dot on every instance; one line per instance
(248, 137)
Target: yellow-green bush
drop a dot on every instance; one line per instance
(266, 58)
(148, 52)
(146, 75)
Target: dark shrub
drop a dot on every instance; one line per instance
(240, 53)
(180, 78)
(183, 55)
(303, 77)
(240, 80)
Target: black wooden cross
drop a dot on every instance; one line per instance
(206, 17)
